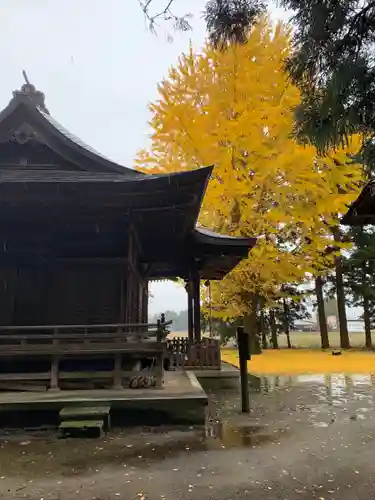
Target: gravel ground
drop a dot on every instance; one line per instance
(311, 438)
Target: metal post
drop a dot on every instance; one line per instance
(244, 356)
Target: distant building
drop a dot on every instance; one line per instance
(332, 323)
(356, 325)
(305, 325)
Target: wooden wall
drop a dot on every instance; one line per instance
(37, 295)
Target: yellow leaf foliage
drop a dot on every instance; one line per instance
(234, 109)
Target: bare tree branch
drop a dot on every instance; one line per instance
(180, 23)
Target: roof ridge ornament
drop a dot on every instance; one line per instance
(30, 94)
(24, 74)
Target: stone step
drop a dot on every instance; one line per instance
(71, 412)
(87, 418)
(82, 427)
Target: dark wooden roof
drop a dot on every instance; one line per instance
(26, 114)
(362, 210)
(214, 254)
(59, 198)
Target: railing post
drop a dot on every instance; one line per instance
(159, 332)
(54, 376)
(117, 382)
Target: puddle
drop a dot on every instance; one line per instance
(124, 448)
(326, 399)
(222, 434)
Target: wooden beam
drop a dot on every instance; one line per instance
(144, 318)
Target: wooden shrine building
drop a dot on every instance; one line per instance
(362, 210)
(81, 236)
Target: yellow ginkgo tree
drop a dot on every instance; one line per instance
(233, 109)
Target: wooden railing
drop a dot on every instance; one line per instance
(126, 330)
(197, 355)
(125, 344)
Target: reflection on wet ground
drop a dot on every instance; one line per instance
(328, 397)
(282, 407)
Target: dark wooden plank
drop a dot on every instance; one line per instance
(73, 337)
(78, 350)
(79, 411)
(87, 327)
(24, 376)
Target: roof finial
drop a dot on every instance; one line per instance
(24, 74)
(29, 94)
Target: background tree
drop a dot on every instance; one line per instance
(359, 275)
(164, 12)
(321, 311)
(228, 21)
(232, 108)
(330, 305)
(290, 308)
(333, 65)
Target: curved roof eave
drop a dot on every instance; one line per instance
(207, 237)
(175, 180)
(354, 216)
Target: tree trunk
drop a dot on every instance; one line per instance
(367, 320)
(286, 323)
(263, 330)
(340, 292)
(251, 326)
(321, 312)
(275, 343)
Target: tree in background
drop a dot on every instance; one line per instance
(330, 304)
(333, 65)
(228, 21)
(331, 61)
(180, 320)
(359, 275)
(321, 311)
(293, 309)
(232, 108)
(164, 12)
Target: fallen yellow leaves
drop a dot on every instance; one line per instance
(295, 362)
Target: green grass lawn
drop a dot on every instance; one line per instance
(311, 340)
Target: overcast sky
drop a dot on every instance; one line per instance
(99, 67)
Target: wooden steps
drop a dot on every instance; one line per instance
(84, 420)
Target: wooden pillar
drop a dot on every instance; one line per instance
(130, 306)
(196, 304)
(145, 302)
(190, 310)
(117, 372)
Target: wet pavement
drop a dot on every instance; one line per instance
(309, 437)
